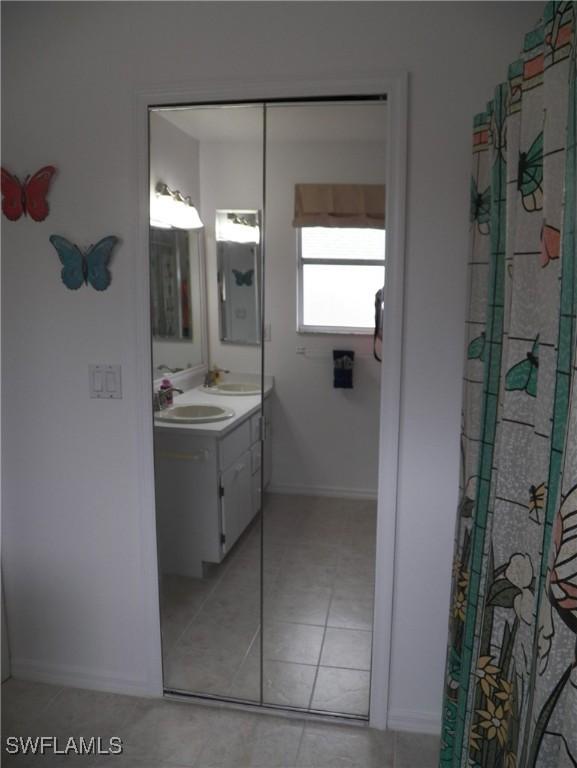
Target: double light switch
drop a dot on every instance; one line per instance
(105, 381)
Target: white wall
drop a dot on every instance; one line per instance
(4, 641)
(174, 161)
(78, 605)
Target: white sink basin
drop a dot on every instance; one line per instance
(233, 388)
(194, 414)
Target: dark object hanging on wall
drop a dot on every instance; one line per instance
(343, 363)
(90, 267)
(378, 335)
(27, 197)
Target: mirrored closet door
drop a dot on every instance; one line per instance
(266, 502)
(325, 241)
(206, 320)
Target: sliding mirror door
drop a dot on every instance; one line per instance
(267, 557)
(206, 310)
(325, 251)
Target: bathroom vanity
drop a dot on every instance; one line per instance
(208, 480)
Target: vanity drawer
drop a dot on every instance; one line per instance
(172, 445)
(234, 444)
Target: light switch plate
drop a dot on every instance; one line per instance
(105, 381)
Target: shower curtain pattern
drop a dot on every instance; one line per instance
(511, 678)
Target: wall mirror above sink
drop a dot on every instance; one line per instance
(177, 301)
(170, 289)
(239, 276)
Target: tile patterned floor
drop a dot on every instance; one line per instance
(319, 559)
(167, 734)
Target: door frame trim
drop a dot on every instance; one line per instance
(395, 86)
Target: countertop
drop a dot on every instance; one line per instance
(243, 406)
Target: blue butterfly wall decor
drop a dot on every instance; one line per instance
(243, 278)
(90, 267)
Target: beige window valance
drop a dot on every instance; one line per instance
(340, 205)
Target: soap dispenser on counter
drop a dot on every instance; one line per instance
(166, 392)
(164, 397)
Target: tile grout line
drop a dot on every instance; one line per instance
(313, 689)
(47, 704)
(244, 658)
(339, 560)
(298, 753)
(199, 609)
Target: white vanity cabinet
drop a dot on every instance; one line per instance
(207, 490)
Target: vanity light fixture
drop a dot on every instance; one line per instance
(170, 208)
(237, 226)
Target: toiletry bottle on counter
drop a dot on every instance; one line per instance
(166, 388)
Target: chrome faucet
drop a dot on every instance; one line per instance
(213, 375)
(160, 399)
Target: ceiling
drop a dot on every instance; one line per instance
(315, 121)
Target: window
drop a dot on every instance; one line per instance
(340, 270)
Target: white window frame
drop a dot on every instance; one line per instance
(341, 330)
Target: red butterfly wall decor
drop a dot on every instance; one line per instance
(28, 197)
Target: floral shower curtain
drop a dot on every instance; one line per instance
(511, 679)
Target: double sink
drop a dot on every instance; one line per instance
(201, 413)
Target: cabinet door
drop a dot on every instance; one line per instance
(187, 521)
(236, 503)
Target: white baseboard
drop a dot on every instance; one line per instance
(79, 677)
(319, 490)
(415, 722)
